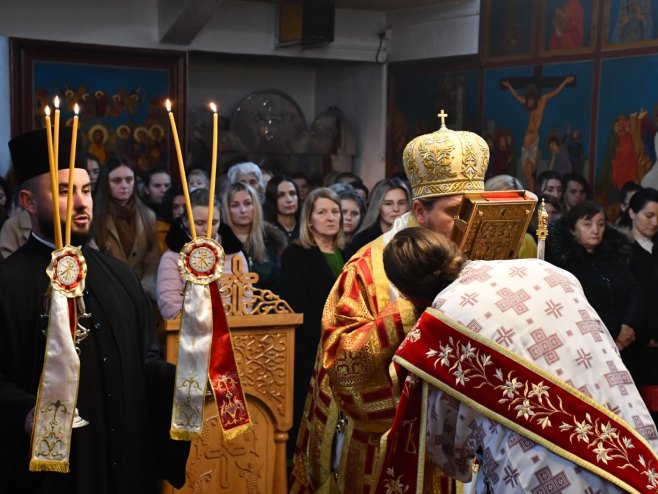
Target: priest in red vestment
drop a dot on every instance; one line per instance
(352, 397)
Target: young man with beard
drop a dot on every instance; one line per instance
(125, 389)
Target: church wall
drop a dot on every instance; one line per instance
(357, 89)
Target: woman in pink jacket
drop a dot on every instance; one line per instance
(170, 284)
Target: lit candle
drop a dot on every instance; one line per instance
(69, 198)
(181, 169)
(54, 182)
(213, 168)
(56, 134)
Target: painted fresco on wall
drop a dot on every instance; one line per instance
(120, 92)
(417, 97)
(630, 23)
(539, 119)
(568, 26)
(121, 111)
(627, 124)
(509, 29)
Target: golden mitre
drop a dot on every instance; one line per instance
(446, 162)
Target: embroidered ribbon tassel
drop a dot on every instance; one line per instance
(58, 390)
(205, 351)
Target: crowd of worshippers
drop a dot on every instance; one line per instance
(297, 236)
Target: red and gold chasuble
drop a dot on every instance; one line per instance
(363, 324)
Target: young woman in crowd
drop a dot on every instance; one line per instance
(171, 207)
(309, 269)
(643, 211)
(390, 198)
(123, 226)
(281, 206)
(353, 210)
(262, 243)
(581, 243)
(170, 284)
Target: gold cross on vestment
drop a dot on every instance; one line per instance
(443, 115)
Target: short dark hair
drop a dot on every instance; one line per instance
(641, 198)
(576, 177)
(421, 262)
(583, 210)
(629, 186)
(151, 173)
(545, 176)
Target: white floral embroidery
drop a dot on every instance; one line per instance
(534, 402)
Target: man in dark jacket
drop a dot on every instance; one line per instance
(125, 389)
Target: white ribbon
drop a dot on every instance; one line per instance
(193, 357)
(58, 392)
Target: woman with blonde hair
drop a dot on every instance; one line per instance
(262, 243)
(389, 199)
(170, 284)
(309, 268)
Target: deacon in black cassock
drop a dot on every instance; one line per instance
(126, 387)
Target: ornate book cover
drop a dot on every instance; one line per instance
(492, 225)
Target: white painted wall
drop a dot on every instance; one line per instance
(445, 30)
(249, 28)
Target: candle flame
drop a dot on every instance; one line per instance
(56, 102)
(76, 109)
(47, 111)
(213, 107)
(168, 105)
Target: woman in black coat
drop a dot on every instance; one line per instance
(598, 256)
(643, 212)
(309, 268)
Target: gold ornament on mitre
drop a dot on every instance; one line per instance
(446, 162)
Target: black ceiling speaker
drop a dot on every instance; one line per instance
(306, 22)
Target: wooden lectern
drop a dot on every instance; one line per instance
(263, 333)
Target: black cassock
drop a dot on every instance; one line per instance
(126, 387)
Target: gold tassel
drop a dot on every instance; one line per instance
(237, 431)
(181, 435)
(49, 466)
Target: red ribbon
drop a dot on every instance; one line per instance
(223, 370)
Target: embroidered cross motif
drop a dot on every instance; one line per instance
(511, 477)
(553, 309)
(589, 325)
(512, 300)
(556, 279)
(618, 378)
(523, 442)
(504, 336)
(648, 431)
(549, 483)
(469, 299)
(584, 358)
(518, 271)
(480, 274)
(545, 346)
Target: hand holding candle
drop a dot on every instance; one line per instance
(181, 168)
(69, 198)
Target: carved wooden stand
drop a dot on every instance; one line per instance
(262, 330)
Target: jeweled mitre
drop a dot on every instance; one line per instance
(446, 162)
